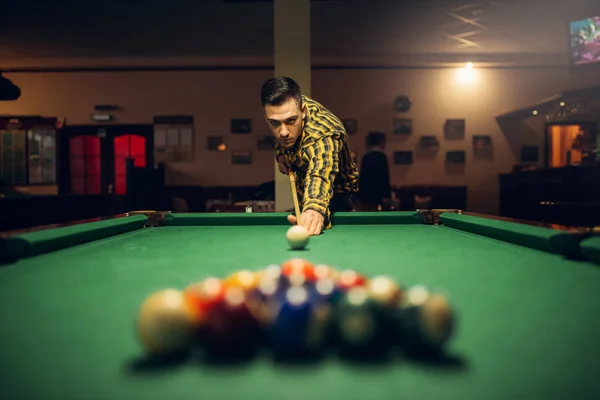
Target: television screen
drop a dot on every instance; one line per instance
(585, 41)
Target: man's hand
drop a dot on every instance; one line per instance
(312, 220)
(284, 164)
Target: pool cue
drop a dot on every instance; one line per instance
(295, 196)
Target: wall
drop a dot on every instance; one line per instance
(417, 37)
(213, 97)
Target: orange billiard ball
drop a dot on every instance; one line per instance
(204, 295)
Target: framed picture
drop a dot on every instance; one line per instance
(429, 142)
(241, 157)
(216, 143)
(482, 142)
(403, 157)
(351, 125)
(265, 142)
(241, 125)
(456, 157)
(402, 126)
(454, 128)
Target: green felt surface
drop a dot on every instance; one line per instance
(528, 323)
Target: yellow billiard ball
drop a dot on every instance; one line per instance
(244, 279)
(165, 323)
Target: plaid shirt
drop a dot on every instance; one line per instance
(321, 160)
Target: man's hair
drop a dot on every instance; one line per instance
(277, 91)
(375, 138)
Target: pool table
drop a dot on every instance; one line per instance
(527, 303)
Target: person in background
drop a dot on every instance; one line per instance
(374, 187)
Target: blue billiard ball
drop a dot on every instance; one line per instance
(298, 326)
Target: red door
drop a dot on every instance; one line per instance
(85, 164)
(96, 157)
(127, 146)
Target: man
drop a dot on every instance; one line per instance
(311, 142)
(375, 173)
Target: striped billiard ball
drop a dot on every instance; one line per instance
(425, 320)
(384, 290)
(359, 324)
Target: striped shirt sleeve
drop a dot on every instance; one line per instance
(323, 155)
(278, 150)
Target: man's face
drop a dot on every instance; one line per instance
(286, 122)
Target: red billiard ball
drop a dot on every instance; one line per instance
(230, 327)
(349, 278)
(299, 267)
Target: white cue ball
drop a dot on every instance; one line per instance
(297, 237)
(165, 322)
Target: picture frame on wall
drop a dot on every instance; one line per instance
(454, 129)
(241, 157)
(216, 143)
(351, 125)
(403, 157)
(482, 142)
(429, 142)
(265, 142)
(241, 125)
(402, 126)
(456, 157)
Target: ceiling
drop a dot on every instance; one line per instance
(156, 28)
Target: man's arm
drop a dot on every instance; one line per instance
(322, 169)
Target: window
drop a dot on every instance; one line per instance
(42, 156)
(28, 150)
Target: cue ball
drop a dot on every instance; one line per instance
(165, 322)
(297, 237)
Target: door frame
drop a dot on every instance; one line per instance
(583, 123)
(106, 133)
